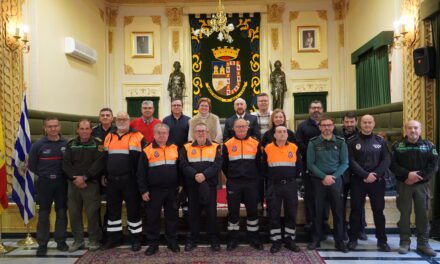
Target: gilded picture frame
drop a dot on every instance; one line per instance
(142, 45)
(309, 39)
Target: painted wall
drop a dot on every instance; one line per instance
(366, 19)
(57, 82)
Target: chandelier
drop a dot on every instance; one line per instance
(217, 24)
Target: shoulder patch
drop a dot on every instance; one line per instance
(98, 140)
(339, 137)
(434, 151)
(314, 138)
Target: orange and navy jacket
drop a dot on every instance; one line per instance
(282, 162)
(204, 159)
(122, 152)
(241, 158)
(158, 168)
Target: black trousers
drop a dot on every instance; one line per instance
(165, 198)
(376, 193)
(246, 192)
(363, 224)
(123, 188)
(195, 209)
(49, 191)
(309, 199)
(286, 193)
(333, 195)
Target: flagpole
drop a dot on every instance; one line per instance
(3, 248)
(28, 240)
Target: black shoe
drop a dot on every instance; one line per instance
(275, 247)
(151, 250)
(62, 246)
(352, 245)
(383, 246)
(41, 251)
(341, 247)
(257, 245)
(363, 236)
(174, 247)
(313, 245)
(215, 246)
(232, 244)
(190, 245)
(136, 246)
(292, 246)
(111, 243)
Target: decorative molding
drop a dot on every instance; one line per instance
(274, 38)
(412, 90)
(110, 41)
(101, 14)
(111, 16)
(128, 69)
(310, 85)
(275, 13)
(128, 20)
(293, 15)
(322, 14)
(156, 20)
(323, 64)
(294, 65)
(174, 16)
(430, 94)
(175, 41)
(157, 70)
(141, 90)
(341, 33)
(340, 8)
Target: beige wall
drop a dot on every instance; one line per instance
(57, 82)
(366, 19)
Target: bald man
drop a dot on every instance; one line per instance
(240, 112)
(369, 161)
(414, 161)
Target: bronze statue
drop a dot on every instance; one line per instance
(279, 86)
(176, 84)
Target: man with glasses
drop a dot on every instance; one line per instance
(327, 160)
(240, 112)
(122, 149)
(178, 123)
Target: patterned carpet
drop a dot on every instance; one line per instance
(201, 255)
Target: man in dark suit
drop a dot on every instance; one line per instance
(240, 112)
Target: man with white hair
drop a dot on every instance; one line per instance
(240, 112)
(145, 124)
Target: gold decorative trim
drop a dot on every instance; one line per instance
(175, 41)
(111, 15)
(323, 64)
(340, 8)
(322, 14)
(174, 16)
(157, 70)
(274, 37)
(294, 65)
(128, 20)
(101, 14)
(430, 94)
(275, 13)
(128, 69)
(341, 32)
(293, 15)
(110, 41)
(156, 20)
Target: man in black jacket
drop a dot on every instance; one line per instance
(83, 163)
(414, 162)
(369, 161)
(240, 112)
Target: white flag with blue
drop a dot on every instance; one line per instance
(23, 191)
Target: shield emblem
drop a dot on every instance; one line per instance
(226, 77)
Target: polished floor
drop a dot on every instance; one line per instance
(366, 253)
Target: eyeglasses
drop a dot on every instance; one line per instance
(244, 126)
(122, 119)
(200, 131)
(176, 105)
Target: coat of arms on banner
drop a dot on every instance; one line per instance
(226, 72)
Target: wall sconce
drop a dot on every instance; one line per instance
(17, 37)
(404, 32)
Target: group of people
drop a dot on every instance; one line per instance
(148, 164)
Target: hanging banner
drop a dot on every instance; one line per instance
(225, 71)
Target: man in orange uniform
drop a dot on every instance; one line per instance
(282, 163)
(122, 150)
(241, 164)
(158, 179)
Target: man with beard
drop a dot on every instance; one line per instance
(240, 112)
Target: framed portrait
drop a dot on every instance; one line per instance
(142, 45)
(309, 39)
